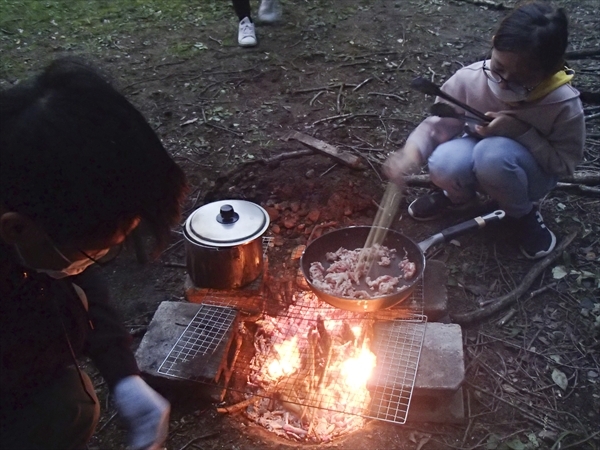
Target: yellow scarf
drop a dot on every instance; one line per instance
(561, 77)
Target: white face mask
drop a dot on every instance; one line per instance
(506, 95)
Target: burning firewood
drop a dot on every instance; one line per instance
(312, 370)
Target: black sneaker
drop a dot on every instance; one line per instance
(536, 240)
(430, 206)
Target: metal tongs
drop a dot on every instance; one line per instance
(442, 109)
(427, 87)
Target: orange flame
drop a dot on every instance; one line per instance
(288, 360)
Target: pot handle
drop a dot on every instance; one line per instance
(461, 228)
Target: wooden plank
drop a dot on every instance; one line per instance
(346, 158)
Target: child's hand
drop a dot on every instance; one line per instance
(403, 162)
(502, 125)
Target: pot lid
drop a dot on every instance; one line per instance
(226, 223)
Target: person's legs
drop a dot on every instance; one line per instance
(450, 169)
(269, 11)
(242, 9)
(246, 30)
(508, 172)
(62, 416)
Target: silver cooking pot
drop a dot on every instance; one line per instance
(224, 243)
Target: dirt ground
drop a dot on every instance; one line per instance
(340, 71)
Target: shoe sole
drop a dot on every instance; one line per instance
(542, 253)
(422, 219)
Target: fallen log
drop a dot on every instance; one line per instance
(346, 158)
(588, 178)
(470, 318)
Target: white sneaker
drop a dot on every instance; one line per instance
(246, 33)
(269, 11)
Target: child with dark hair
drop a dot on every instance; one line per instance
(269, 11)
(80, 168)
(536, 133)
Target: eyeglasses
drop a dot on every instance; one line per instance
(497, 78)
(104, 258)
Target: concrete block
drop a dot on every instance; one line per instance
(439, 372)
(442, 365)
(167, 325)
(435, 292)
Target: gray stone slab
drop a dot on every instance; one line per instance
(442, 364)
(435, 292)
(167, 325)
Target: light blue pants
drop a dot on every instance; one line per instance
(497, 166)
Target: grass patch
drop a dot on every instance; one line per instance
(34, 30)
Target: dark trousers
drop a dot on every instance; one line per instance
(242, 8)
(62, 416)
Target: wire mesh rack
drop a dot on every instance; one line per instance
(206, 332)
(313, 355)
(398, 346)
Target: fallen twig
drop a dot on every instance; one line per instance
(359, 85)
(578, 178)
(583, 189)
(529, 297)
(543, 423)
(238, 406)
(105, 424)
(338, 155)
(385, 94)
(582, 441)
(196, 439)
(348, 116)
(339, 99)
(508, 299)
(312, 100)
(488, 3)
(218, 127)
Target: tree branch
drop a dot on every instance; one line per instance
(502, 302)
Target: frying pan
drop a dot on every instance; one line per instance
(355, 237)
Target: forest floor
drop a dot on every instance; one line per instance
(340, 71)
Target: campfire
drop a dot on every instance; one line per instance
(310, 371)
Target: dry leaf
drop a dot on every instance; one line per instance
(560, 379)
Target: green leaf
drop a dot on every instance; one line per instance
(516, 444)
(492, 442)
(533, 440)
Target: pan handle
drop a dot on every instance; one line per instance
(461, 228)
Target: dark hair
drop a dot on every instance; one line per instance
(538, 29)
(81, 161)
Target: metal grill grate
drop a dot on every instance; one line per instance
(398, 348)
(396, 344)
(201, 338)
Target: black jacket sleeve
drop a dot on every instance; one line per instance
(108, 343)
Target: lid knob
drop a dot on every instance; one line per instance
(227, 215)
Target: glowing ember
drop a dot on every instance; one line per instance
(311, 371)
